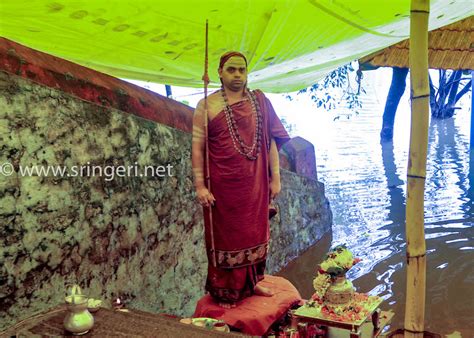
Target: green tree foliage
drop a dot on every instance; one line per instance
(341, 88)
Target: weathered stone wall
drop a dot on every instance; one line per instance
(137, 237)
(304, 217)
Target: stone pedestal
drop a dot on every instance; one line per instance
(302, 158)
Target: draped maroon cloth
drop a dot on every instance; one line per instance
(254, 316)
(240, 213)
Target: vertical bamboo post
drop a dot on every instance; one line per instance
(471, 141)
(415, 235)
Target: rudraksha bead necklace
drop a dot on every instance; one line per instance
(251, 152)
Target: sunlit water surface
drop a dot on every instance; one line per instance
(366, 186)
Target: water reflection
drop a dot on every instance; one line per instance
(395, 185)
(365, 183)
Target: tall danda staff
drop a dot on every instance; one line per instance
(205, 78)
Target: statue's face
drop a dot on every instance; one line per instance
(234, 74)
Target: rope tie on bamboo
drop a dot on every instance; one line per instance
(420, 96)
(416, 256)
(412, 331)
(416, 176)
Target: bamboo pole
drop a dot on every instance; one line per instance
(415, 235)
(471, 141)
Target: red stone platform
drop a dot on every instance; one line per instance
(253, 315)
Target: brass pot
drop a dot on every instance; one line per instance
(78, 320)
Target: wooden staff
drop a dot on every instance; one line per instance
(205, 78)
(415, 235)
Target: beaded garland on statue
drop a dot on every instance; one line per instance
(250, 152)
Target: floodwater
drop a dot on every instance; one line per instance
(366, 186)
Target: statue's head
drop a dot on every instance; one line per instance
(233, 71)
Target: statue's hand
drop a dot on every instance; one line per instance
(204, 197)
(275, 188)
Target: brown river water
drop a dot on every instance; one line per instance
(366, 186)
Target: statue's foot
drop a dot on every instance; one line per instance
(227, 305)
(263, 291)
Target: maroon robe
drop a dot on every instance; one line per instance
(240, 213)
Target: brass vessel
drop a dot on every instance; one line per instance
(78, 319)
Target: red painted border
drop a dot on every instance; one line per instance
(92, 86)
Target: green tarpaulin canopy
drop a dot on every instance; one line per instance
(290, 44)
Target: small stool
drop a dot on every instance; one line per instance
(253, 315)
(379, 319)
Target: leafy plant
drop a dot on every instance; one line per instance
(341, 88)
